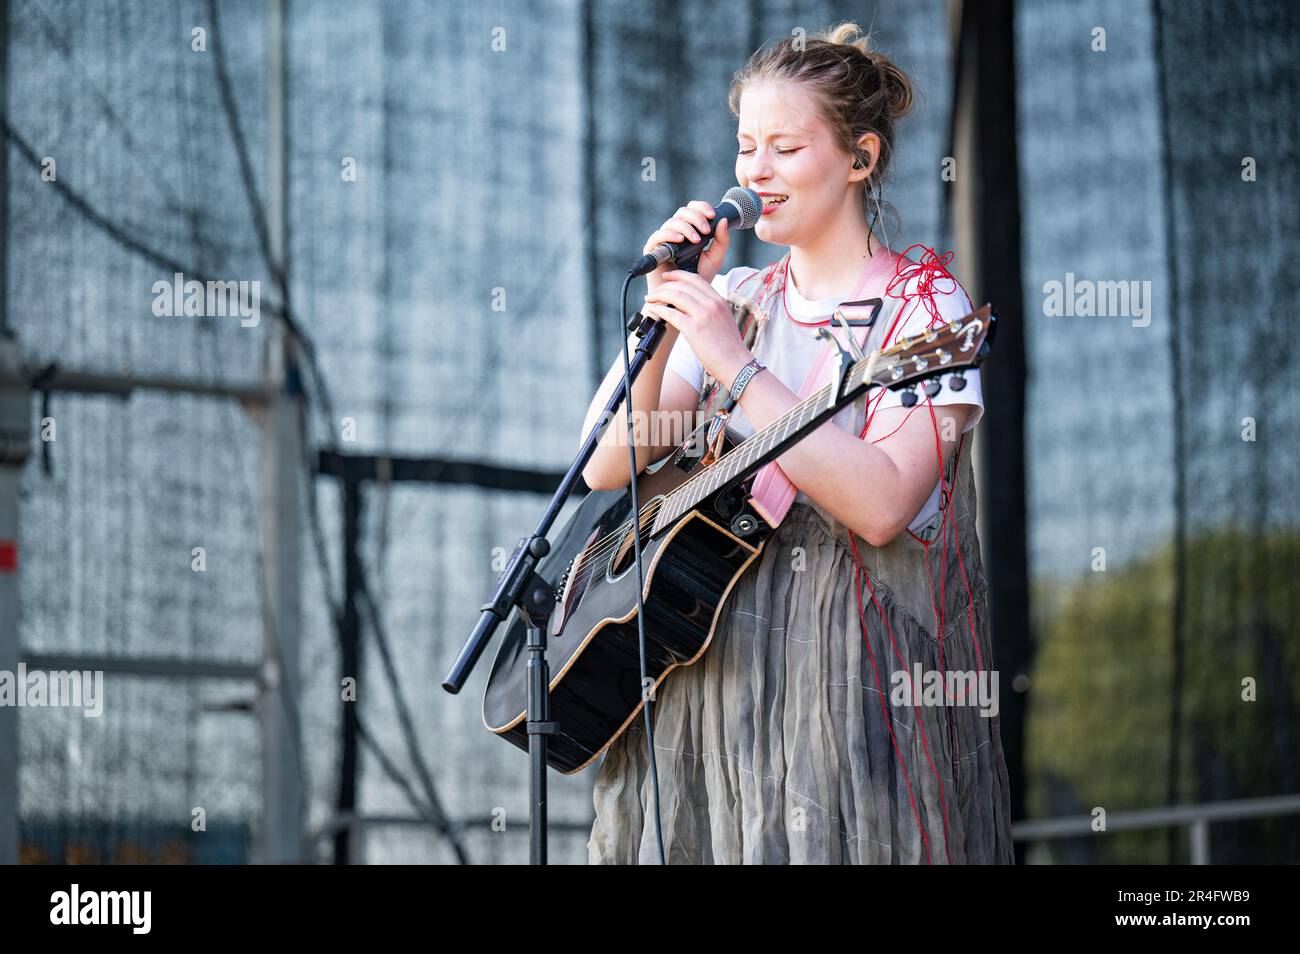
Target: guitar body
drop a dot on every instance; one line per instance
(592, 639)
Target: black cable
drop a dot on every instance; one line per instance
(144, 156)
(132, 244)
(1178, 662)
(404, 718)
(640, 575)
(206, 251)
(90, 213)
(257, 211)
(435, 815)
(255, 207)
(402, 782)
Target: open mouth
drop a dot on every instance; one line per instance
(770, 202)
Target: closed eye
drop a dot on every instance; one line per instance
(781, 152)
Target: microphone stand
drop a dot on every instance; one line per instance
(521, 587)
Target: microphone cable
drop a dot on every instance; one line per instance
(640, 577)
(749, 208)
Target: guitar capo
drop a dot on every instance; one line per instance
(844, 360)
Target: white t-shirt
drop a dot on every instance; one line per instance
(790, 350)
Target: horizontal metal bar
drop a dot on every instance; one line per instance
(437, 470)
(1046, 829)
(348, 821)
(143, 666)
(123, 385)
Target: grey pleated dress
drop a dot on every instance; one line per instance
(782, 743)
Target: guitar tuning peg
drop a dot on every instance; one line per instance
(933, 387)
(957, 381)
(908, 397)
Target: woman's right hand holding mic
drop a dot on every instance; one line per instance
(690, 223)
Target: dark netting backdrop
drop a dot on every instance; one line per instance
(465, 185)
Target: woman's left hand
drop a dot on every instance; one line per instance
(705, 319)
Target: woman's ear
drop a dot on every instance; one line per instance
(869, 148)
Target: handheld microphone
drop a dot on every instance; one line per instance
(741, 207)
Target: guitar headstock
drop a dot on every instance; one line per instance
(944, 350)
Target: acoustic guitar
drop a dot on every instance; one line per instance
(699, 532)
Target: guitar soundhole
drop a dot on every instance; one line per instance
(625, 558)
(625, 555)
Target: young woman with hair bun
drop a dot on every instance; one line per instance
(794, 738)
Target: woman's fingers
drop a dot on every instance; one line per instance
(723, 234)
(680, 278)
(670, 315)
(680, 295)
(689, 224)
(697, 215)
(686, 229)
(711, 261)
(668, 232)
(704, 211)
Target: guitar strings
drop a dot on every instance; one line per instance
(611, 541)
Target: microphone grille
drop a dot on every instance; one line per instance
(748, 202)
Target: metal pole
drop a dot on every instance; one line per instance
(15, 405)
(1200, 841)
(4, 169)
(988, 224)
(280, 836)
(350, 662)
(15, 429)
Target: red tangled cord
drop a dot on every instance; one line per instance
(917, 283)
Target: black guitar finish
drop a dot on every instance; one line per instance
(594, 658)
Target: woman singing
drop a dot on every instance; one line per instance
(792, 739)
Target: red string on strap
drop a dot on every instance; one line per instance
(922, 280)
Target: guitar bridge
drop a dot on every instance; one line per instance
(563, 581)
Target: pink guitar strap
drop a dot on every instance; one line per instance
(772, 492)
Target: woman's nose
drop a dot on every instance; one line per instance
(760, 166)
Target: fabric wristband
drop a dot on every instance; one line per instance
(743, 378)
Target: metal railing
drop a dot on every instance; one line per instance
(1196, 818)
(355, 826)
